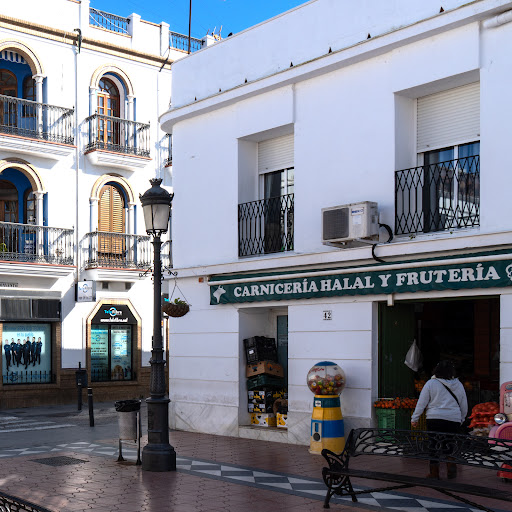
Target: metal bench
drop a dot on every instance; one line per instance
(477, 452)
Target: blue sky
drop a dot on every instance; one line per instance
(233, 15)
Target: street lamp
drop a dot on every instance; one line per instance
(158, 454)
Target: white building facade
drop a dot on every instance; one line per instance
(80, 95)
(401, 104)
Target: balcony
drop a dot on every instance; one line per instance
(116, 251)
(38, 124)
(107, 21)
(180, 42)
(37, 244)
(266, 226)
(438, 197)
(115, 142)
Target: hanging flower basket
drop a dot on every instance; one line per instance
(176, 309)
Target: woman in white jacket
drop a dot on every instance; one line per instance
(444, 398)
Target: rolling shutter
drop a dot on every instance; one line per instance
(448, 118)
(275, 154)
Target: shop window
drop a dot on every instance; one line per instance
(111, 353)
(26, 353)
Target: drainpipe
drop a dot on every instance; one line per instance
(77, 154)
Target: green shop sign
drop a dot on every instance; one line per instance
(491, 274)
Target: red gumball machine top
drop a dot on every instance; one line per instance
(326, 378)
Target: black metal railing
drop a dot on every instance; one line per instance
(36, 120)
(105, 375)
(438, 197)
(26, 242)
(116, 250)
(13, 504)
(118, 135)
(166, 254)
(180, 42)
(266, 226)
(108, 21)
(28, 377)
(168, 150)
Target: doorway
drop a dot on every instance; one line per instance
(465, 331)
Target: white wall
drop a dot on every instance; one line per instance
(299, 36)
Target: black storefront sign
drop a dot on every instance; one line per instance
(114, 314)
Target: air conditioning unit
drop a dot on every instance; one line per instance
(350, 222)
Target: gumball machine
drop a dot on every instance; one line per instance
(326, 380)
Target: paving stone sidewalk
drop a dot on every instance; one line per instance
(214, 473)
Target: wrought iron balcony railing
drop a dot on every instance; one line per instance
(118, 135)
(266, 226)
(108, 21)
(116, 250)
(180, 42)
(27, 242)
(36, 120)
(438, 197)
(168, 157)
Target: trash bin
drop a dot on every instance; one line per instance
(129, 424)
(128, 418)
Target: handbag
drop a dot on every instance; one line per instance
(464, 426)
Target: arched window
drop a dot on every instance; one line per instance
(8, 202)
(8, 87)
(108, 105)
(111, 223)
(108, 98)
(8, 83)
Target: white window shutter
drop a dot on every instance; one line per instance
(275, 154)
(449, 118)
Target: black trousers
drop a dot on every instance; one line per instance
(437, 425)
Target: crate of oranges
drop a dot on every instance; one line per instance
(394, 413)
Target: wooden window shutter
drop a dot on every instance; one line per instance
(111, 219)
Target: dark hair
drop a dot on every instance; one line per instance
(445, 370)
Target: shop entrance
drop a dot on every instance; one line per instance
(464, 331)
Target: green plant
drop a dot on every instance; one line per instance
(178, 301)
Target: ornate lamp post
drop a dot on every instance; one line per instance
(158, 454)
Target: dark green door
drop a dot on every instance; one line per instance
(282, 345)
(396, 334)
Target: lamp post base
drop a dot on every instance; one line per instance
(158, 454)
(158, 457)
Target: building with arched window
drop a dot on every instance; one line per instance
(79, 141)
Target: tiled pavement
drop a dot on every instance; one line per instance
(215, 473)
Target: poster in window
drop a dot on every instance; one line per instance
(121, 353)
(26, 353)
(99, 352)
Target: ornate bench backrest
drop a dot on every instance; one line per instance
(463, 449)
